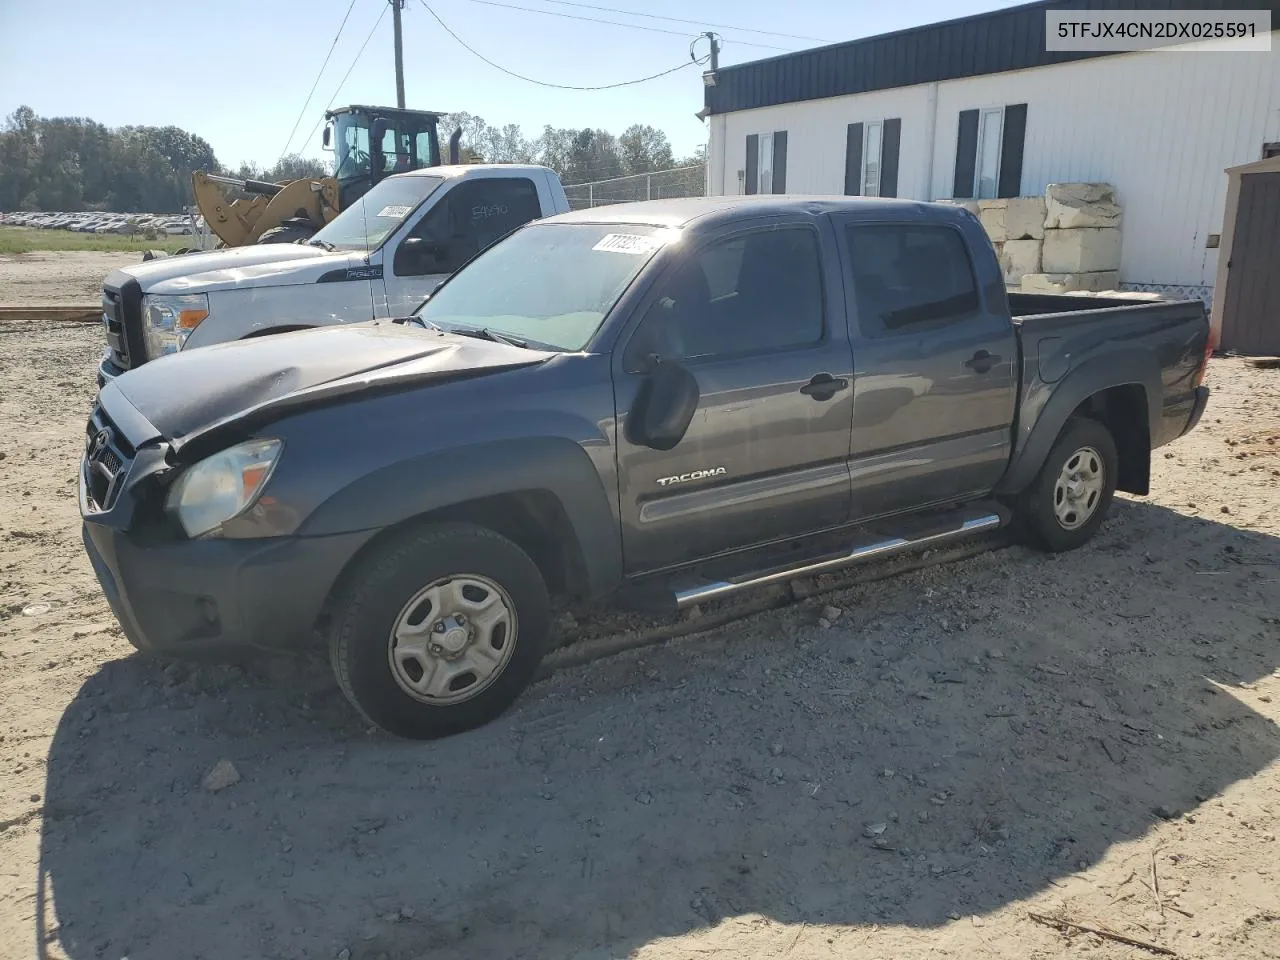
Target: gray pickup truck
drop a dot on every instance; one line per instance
(668, 401)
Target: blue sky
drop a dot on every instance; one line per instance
(142, 61)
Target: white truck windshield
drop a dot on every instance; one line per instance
(368, 221)
(550, 284)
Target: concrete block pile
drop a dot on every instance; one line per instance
(1068, 240)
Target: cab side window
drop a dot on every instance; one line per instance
(470, 217)
(755, 293)
(908, 278)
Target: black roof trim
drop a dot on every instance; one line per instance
(995, 42)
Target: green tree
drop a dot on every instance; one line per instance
(644, 149)
(593, 155)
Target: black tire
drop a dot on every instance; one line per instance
(285, 234)
(1038, 508)
(375, 597)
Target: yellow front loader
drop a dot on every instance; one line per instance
(368, 143)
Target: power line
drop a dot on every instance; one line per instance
(542, 83)
(319, 74)
(359, 53)
(616, 23)
(722, 26)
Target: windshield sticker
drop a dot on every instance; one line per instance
(395, 210)
(632, 243)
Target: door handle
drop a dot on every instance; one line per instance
(824, 386)
(982, 361)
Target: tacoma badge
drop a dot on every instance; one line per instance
(693, 475)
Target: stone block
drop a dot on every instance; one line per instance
(970, 205)
(992, 213)
(1086, 250)
(1094, 282)
(1018, 258)
(1024, 218)
(1072, 206)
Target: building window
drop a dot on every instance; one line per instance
(987, 175)
(989, 146)
(871, 153)
(871, 158)
(766, 167)
(764, 164)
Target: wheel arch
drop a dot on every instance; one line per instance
(544, 494)
(1123, 390)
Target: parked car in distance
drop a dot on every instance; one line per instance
(659, 402)
(378, 258)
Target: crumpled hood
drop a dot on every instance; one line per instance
(264, 264)
(186, 394)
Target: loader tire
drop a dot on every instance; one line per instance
(285, 234)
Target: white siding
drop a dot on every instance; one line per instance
(816, 138)
(1161, 127)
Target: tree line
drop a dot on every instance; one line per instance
(74, 163)
(578, 156)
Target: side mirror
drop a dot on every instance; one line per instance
(421, 248)
(417, 255)
(378, 133)
(664, 406)
(328, 138)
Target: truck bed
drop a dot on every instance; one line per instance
(1039, 313)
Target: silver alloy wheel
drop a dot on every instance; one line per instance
(452, 639)
(1079, 487)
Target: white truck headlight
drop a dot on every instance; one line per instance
(170, 320)
(222, 486)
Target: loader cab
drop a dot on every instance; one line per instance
(370, 143)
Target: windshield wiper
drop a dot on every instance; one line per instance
(484, 333)
(422, 322)
(317, 242)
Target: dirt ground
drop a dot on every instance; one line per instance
(60, 278)
(1089, 737)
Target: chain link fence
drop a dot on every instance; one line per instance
(662, 184)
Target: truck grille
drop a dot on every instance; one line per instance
(106, 460)
(113, 321)
(122, 322)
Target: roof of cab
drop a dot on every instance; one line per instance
(462, 169)
(685, 211)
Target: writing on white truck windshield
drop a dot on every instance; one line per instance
(372, 218)
(550, 284)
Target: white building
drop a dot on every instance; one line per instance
(978, 108)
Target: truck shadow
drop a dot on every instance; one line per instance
(960, 739)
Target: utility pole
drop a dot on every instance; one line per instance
(714, 38)
(396, 7)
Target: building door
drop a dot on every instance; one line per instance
(1251, 308)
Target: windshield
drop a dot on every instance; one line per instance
(408, 144)
(550, 284)
(368, 221)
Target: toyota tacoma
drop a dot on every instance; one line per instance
(669, 401)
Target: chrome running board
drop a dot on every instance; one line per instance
(869, 551)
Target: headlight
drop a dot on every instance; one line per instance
(222, 486)
(170, 320)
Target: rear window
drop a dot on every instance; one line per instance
(907, 277)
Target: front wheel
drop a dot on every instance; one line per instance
(1069, 498)
(440, 631)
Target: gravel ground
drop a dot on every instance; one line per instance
(1088, 737)
(64, 277)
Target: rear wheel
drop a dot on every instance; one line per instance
(440, 631)
(1069, 498)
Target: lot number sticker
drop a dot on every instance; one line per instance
(632, 243)
(394, 210)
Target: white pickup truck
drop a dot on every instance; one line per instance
(381, 257)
